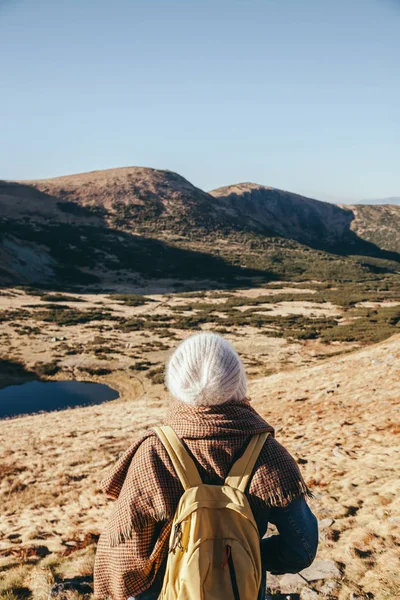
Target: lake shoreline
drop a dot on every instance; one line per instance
(26, 398)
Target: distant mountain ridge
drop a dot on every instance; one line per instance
(308, 220)
(153, 223)
(284, 213)
(391, 200)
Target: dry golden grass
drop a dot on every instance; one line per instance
(338, 415)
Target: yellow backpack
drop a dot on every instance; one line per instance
(214, 548)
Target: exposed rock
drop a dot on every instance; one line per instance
(329, 588)
(320, 569)
(325, 523)
(308, 594)
(291, 583)
(338, 453)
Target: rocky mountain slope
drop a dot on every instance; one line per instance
(378, 224)
(338, 227)
(289, 215)
(132, 224)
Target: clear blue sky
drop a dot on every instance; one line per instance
(302, 95)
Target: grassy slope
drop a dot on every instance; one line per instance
(336, 418)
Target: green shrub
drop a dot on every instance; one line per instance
(46, 369)
(63, 315)
(95, 370)
(367, 326)
(157, 375)
(131, 299)
(59, 298)
(143, 365)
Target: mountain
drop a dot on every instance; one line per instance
(391, 200)
(339, 227)
(292, 216)
(130, 225)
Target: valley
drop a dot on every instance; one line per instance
(102, 275)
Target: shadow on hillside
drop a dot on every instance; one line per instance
(353, 245)
(62, 202)
(316, 234)
(12, 372)
(83, 247)
(80, 250)
(319, 225)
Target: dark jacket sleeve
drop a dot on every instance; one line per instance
(296, 545)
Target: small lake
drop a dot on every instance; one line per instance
(37, 396)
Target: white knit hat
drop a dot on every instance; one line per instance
(204, 370)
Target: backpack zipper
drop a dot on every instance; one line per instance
(177, 538)
(226, 559)
(232, 573)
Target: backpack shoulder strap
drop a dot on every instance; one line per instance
(182, 462)
(241, 472)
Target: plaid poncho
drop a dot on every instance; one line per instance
(147, 490)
